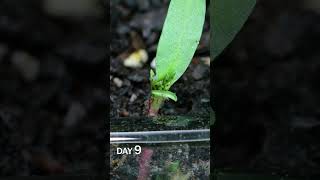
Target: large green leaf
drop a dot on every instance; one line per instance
(227, 18)
(178, 41)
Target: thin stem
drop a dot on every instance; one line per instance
(153, 106)
(155, 103)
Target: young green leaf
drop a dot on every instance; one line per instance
(226, 19)
(165, 94)
(178, 41)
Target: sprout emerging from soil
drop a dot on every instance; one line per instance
(178, 42)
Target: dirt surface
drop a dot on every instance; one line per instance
(52, 92)
(137, 25)
(193, 157)
(193, 160)
(266, 93)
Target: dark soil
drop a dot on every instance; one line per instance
(193, 160)
(137, 25)
(266, 93)
(193, 157)
(52, 93)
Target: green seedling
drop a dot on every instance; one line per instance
(178, 42)
(181, 35)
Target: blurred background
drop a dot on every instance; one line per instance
(53, 91)
(266, 93)
(135, 30)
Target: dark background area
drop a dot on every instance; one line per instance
(265, 91)
(52, 87)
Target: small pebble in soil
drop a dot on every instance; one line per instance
(137, 59)
(205, 60)
(153, 64)
(138, 76)
(118, 82)
(133, 97)
(199, 72)
(27, 65)
(205, 100)
(124, 113)
(195, 166)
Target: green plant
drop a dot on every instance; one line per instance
(180, 37)
(178, 42)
